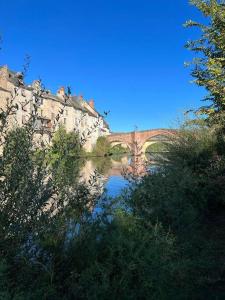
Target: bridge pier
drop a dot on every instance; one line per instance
(136, 147)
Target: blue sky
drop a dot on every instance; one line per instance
(128, 55)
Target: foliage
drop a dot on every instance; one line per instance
(165, 242)
(157, 147)
(65, 157)
(102, 165)
(102, 147)
(69, 254)
(186, 195)
(63, 252)
(118, 149)
(209, 69)
(128, 261)
(37, 217)
(117, 260)
(24, 191)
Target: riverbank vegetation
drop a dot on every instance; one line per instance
(157, 147)
(119, 150)
(165, 240)
(65, 156)
(103, 148)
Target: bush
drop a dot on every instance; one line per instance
(157, 247)
(187, 195)
(128, 261)
(65, 157)
(102, 147)
(118, 260)
(24, 190)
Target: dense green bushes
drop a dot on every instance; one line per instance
(185, 195)
(156, 247)
(62, 252)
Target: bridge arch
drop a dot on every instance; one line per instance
(158, 139)
(122, 144)
(138, 141)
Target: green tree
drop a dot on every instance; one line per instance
(24, 191)
(102, 147)
(119, 149)
(65, 157)
(209, 70)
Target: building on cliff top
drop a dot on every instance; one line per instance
(75, 113)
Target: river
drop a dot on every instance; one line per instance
(114, 170)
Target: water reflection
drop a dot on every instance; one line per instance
(114, 170)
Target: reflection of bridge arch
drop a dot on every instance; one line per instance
(137, 141)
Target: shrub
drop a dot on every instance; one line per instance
(102, 147)
(186, 195)
(65, 157)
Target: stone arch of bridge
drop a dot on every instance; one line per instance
(146, 145)
(158, 138)
(138, 141)
(122, 143)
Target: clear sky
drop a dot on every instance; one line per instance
(128, 55)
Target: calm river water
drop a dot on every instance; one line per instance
(112, 170)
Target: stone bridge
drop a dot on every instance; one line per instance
(138, 141)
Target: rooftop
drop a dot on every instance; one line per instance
(17, 79)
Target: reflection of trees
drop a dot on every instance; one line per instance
(118, 157)
(121, 165)
(129, 165)
(91, 177)
(102, 164)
